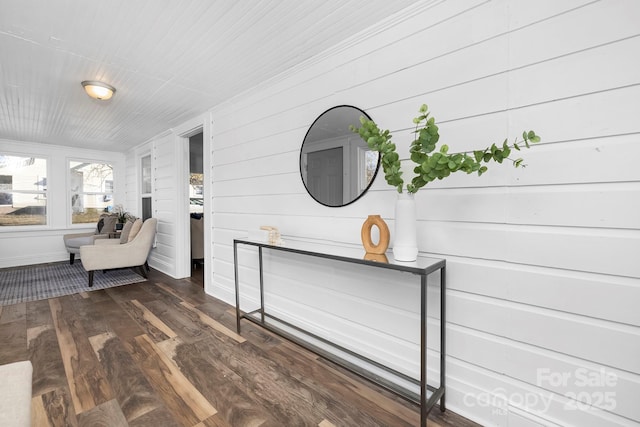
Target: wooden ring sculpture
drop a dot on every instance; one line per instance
(365, 234)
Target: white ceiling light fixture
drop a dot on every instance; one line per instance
(98, 90)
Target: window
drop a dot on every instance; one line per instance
(91, 188)
(367, 165)
(23, 191)
(145, 187)
(196, 195)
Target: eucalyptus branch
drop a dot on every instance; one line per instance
(434, 165)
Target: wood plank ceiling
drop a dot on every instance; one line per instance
(170, 60)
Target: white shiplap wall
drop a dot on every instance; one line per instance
(542, 276)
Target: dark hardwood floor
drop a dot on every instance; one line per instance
(163, 353)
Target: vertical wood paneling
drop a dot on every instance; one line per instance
(165, 181)
(541, 260)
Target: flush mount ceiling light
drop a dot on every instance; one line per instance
(98, 90)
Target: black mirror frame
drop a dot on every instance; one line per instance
(300, 158)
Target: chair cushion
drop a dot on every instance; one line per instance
(135, 229)
(76, 242)
(124, 235)
(109, 224)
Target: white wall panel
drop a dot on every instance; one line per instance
(541, 260)
(165, 180)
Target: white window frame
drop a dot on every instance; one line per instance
(144, 195)
(45, 193)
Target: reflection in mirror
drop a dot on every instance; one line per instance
(336, 165)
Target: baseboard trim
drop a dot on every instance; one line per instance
(33, 260)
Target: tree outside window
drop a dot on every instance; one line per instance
(91, 190)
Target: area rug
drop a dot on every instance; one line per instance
(38, 282)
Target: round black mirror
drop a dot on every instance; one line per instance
(336, 165)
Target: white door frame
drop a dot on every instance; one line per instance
(183, 223)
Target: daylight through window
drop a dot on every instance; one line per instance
(91, 190)
(23, 191)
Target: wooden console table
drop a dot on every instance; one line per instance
(422, 267)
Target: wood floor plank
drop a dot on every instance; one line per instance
(184, 401)
(119, 319)
(85, 376)
(281, 396)
(202, 317)
(39, 416)
(44, 353)
(93, 321)
(340, 383)
(13, 313)
(325, 423)
(13, 336)
(128, 293)
(178, 318)
(134, 393)
(221, 313)
(98, 295)
(107, 414)
(184, 291)
(294, 368)
(214, 421)
(235, 402)
(38, 313)
(153, 326)
(340, 387)
(160, 294)
(59, 409)
(159, 417)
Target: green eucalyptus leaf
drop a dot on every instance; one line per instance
(429, 166)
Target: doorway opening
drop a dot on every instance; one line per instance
(196, 204)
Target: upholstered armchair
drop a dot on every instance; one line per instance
(72, 242)
(131, 250)
(197, 240)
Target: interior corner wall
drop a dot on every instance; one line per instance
(165, 150)
(43, 244)
(542, 271)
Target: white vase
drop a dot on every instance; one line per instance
(405, 244)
